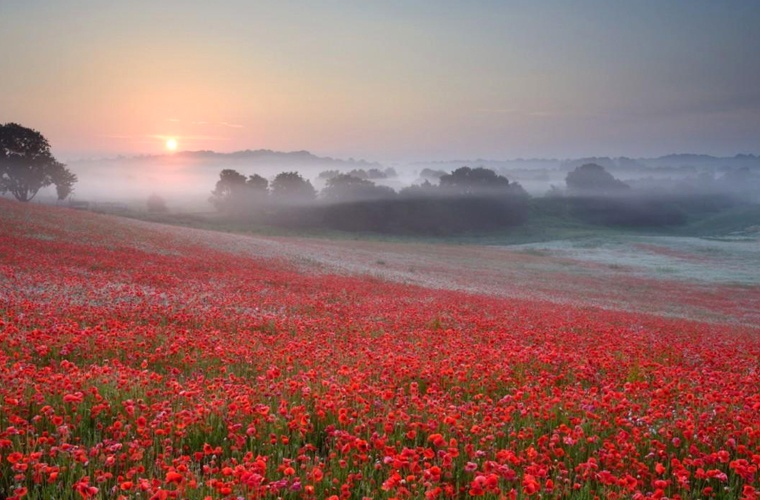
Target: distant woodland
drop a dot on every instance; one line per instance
(469, 200)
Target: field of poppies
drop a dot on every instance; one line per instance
(136, 363)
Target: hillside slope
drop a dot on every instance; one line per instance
(156, 362)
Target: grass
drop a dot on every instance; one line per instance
(547, 221)
(542, 225)
(734, 221)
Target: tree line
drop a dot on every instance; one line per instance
(466, 200)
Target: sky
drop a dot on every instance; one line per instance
(385, 80)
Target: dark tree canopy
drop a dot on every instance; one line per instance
(346, 187)
(328, 174)
(229, 189)
(470, 201)
(236, 195)
(597, 197)
(424, 190)
(26, 164)
(466, 180)
(64, 182)
(258, 185)
(292, 188)
(593, 179)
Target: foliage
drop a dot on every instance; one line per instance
(328, 174)
(597, 197)
(428, 174)
(290, 187)
(593, 179)
(64, 181)
(469, 181)
(234, 194)
(346, 187)
(372, 173)
(468, 201)
(258, 185)
(27, 165)
(229, 188)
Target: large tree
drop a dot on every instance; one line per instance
(480, 182)
(347, 187)
(229, 190)
(466, 180)
(290, 187)
(26, 164)
(593, 179)
(235, 193)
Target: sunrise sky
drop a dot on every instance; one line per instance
(390, 80)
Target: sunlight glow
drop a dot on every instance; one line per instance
(171, 144)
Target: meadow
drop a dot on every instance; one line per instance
(153, 362)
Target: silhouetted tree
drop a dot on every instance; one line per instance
(373, 173)
(258, 185)
(466, 180)
(64, 182)
(290, 187)
(390, 172)
(597, 197)
(593, 179)
(425, 189)
(466, 200)
(230, 189)
(328, 174)
(360, 173)
(346, 187)
(470, 201)
(26, 164)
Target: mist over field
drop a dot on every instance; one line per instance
(187, 178)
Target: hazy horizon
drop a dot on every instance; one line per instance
(380, 162)
(385, 81)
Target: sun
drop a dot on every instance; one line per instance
(171, 144)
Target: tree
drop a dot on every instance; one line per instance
(64, 182)
(346, 187)
(593, 179)
(234, 194)
(26, 164)
(229, 189)
(291, 187)
(328, 174)
(466, 180)
(258, 185)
